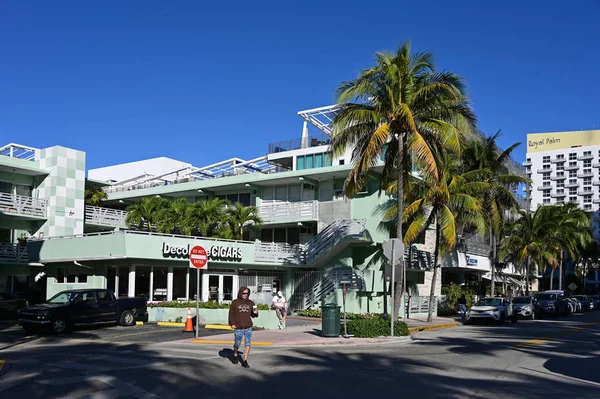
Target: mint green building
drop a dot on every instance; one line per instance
(313, 240)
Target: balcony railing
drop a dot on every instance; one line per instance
(568, 185)
(585, 174)
(527, 163)
(585, 192)
(22, 205)
(558, 195)
(296, 144)
(545, 170)
(585, 156)
(558, 160)
(542, 188)
(13, 253)
(289, 211)
(558, 177)
(571, 167)
(105, 216)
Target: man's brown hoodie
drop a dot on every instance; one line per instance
(240, 312)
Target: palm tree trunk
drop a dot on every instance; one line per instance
(551, 277)
(560, 272)
(438, 227)
(527, 275)
(493, 280)
(398, 294)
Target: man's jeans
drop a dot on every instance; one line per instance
(463, 310)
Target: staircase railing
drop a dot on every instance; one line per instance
(328, 283)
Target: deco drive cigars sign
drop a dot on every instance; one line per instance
(218, 253)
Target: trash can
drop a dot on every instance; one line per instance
(330, 322)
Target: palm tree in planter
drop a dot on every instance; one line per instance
(144, 213)
(208, 218)
(399, 109)
(174, 217)
(240, 217)
(94, 197)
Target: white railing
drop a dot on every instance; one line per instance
(306, 253)
(105, 216)
(13, 253)
(22, 205)
(289, 211)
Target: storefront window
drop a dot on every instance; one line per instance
(111, 272)
(160, 283)
(123, 273)
(142, 281)
(179, 276)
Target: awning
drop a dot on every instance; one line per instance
(514, 281)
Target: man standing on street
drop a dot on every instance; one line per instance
(240, 319)
(279, 304)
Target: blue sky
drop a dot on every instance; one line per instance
(202, 82)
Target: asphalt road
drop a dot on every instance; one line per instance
(530, 359)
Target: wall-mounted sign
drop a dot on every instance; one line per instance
(216, 252)
(471, 261)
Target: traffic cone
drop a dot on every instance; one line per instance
(188, 323)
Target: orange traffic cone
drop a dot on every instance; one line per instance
(188, 323)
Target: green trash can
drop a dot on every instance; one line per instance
(330, 322)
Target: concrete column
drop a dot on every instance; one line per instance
(170, 284)
(131, 288)
(187, 284)
(151, 295)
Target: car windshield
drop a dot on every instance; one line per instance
(62, 297)
(489, 302)
(522, 299)
(547, 297)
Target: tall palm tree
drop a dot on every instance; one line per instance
(531, 239)
(94, 197)
(174, 217)
(484, 153)
(208, 218)
(144, 212)
(240, 217)
(403, 105)
(447, 200)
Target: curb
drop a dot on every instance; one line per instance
(170, 324)
(218, 327)
(5, 366)
(429, 328)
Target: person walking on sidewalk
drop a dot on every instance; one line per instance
(241, 312)
(279, 304)
(462, 306)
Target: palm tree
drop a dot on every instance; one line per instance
(531, 239)
(208, 218)
(484, 153)
(145, 212)
(240, 217)
(401, 108)
(94, 197)
(447, 200)
(174, 217)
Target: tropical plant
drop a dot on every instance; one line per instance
(240, 217)
(446, 200)
(400, 110)
(483, 153)
(173, 218)
(94, 197)
(208, 218)
(143, 213)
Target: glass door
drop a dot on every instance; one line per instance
(220, 287)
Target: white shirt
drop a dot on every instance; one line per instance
(279, 302)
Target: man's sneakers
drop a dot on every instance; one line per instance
(234, 359)
(245, 364)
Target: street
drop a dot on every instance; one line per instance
(531, 359)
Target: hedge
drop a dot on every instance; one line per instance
(349, 316)
(377, 327)
(192, 304)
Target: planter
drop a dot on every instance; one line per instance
(266, 319)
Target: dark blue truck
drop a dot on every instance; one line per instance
(81, 307)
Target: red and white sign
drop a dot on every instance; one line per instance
(198, 257)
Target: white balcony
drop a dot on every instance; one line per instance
(585, 174)
(585, 157)
(569, 185)
(527, 163)
(585, 192)
(289, 211)
(558, 177)
(571, 167)
(13, 253)
(545, 170)
(21, 205)
(105, 216)
(558, 160)
(558, 195)
(543, 188)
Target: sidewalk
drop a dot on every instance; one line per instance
(310, 335)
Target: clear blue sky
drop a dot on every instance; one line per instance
(202, 82)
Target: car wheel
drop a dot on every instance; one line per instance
(532, 317)
(127, 318)
(60, 326)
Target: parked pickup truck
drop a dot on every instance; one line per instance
(87, 306)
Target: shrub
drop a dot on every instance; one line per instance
(453, 293)
(375, 327)
(192, 304)
(349, 316)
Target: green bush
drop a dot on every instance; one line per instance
(375, 327)
(192, 304)
(349, 316)
(453, 293)
(310, 312)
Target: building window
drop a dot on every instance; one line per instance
(546, 159)
(587, 171)
(587, 199)
(560, 174)
(560, 191)
(560, 156)
(587, 181)
(546, 193)
(572, 173)
(587, 153)
(573, 191)
(573, 163)
(73, 274)
(587, 163)
(546, 184)
(587, 207)
(313, 161)
(546, 201)
(546, 176)
(572, 157)
(560, 167)
(573, 199)
(560, 184)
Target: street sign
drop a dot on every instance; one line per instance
(572, 286)
(393, 247)
(198, 258)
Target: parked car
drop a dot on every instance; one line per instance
(586, 304)
(553, 303)
(87, 306)
(573, 305)
(496, 309)
(526, 306)
(10, 304)
(595, 300)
